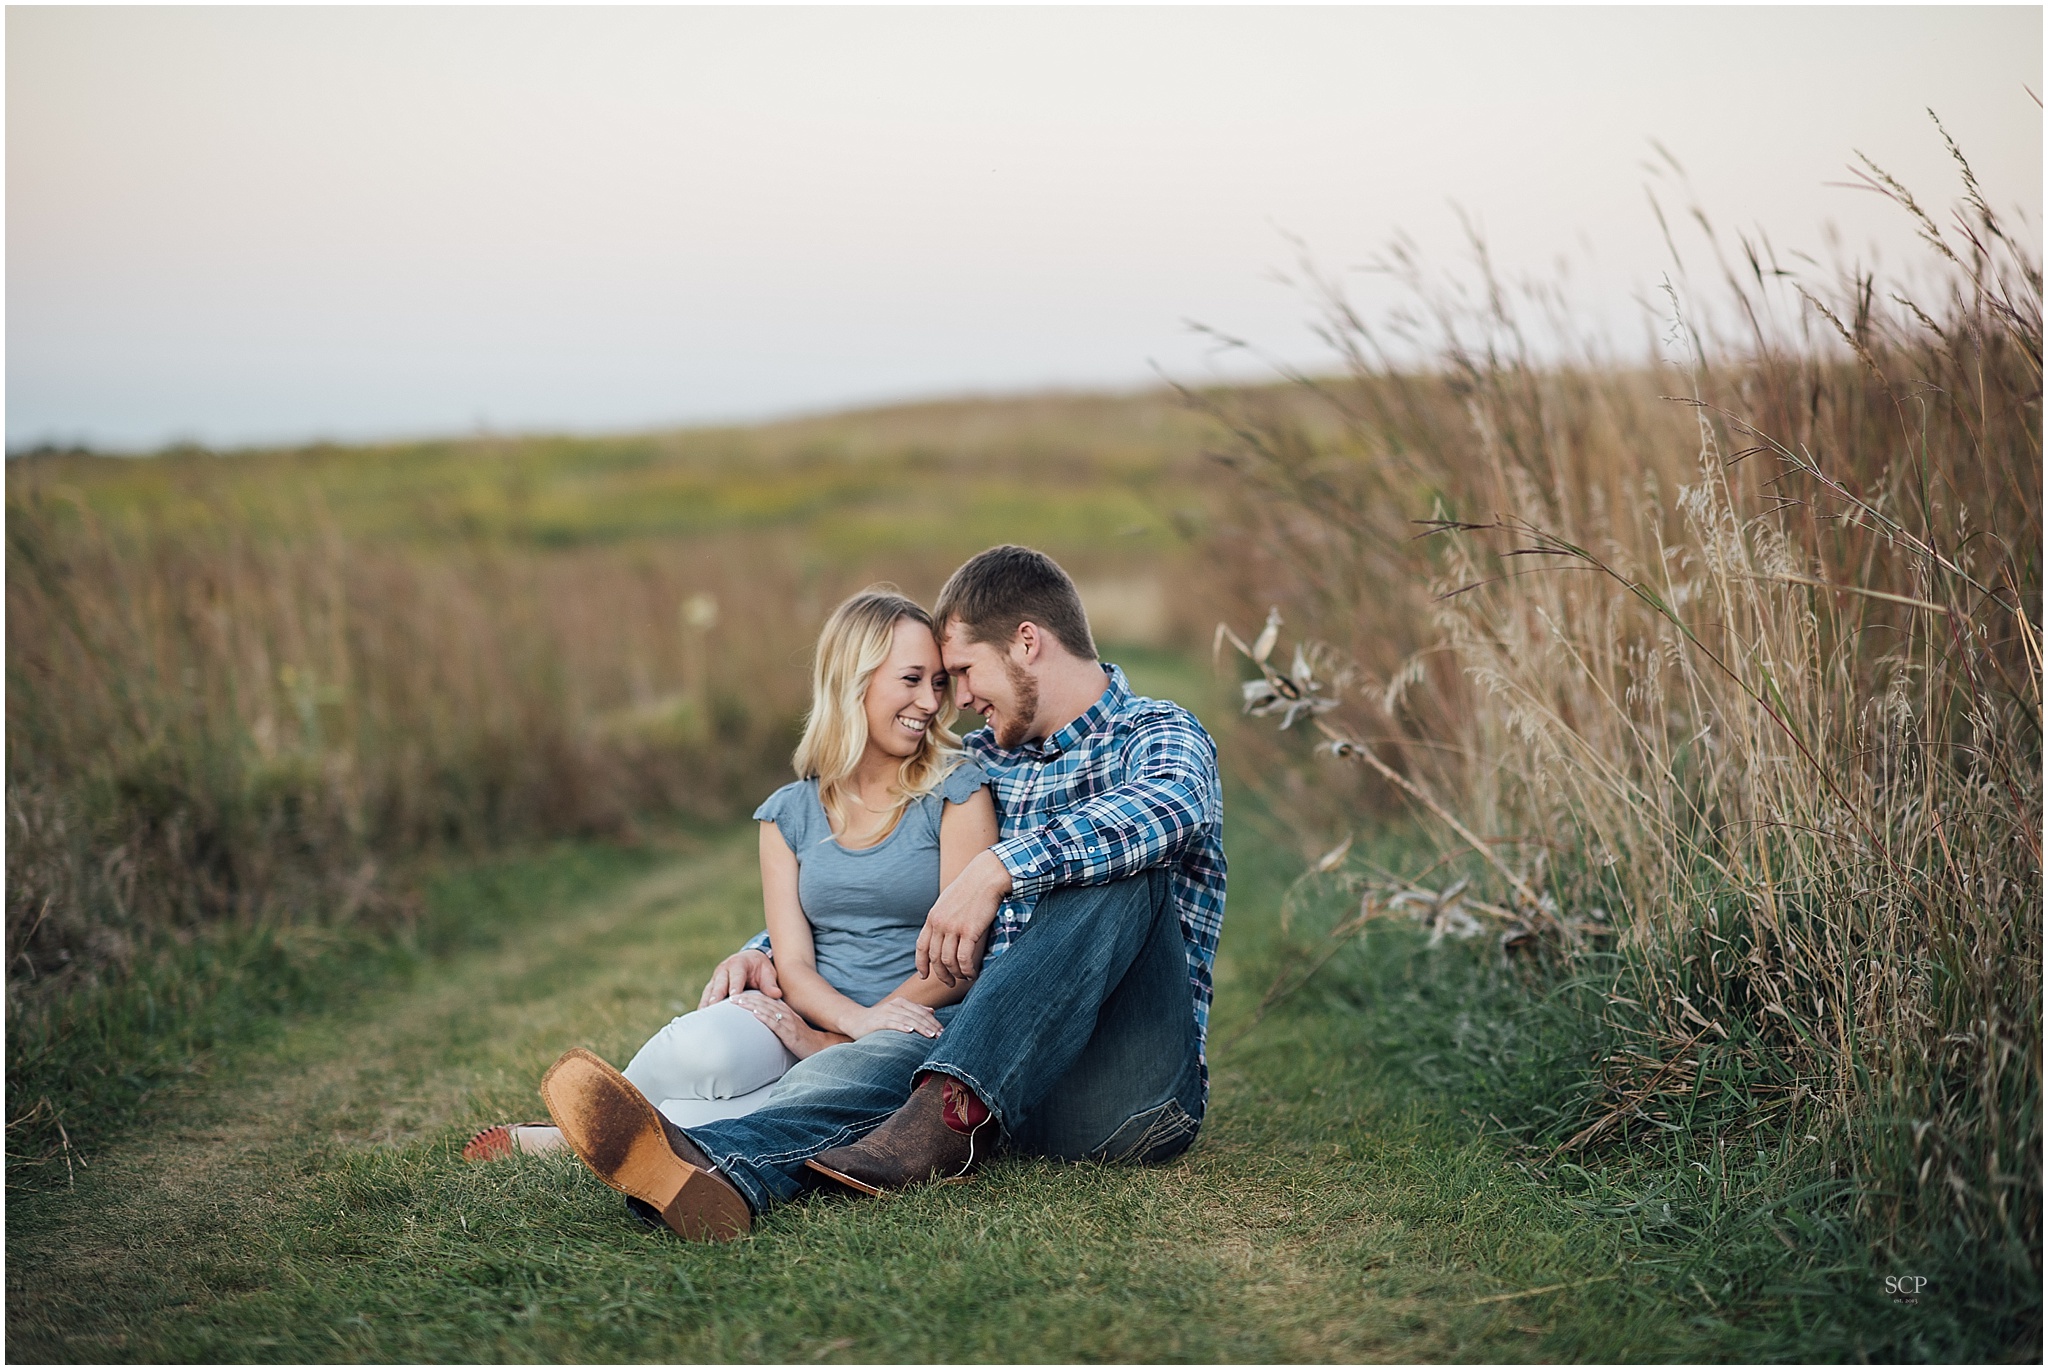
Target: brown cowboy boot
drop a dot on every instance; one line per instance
(629, 1145)
(931, 1138)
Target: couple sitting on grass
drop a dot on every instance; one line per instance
(1001, 943)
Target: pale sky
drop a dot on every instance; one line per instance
(241, 225)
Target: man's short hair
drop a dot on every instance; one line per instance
(1006, 586)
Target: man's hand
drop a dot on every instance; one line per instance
(956, 930)
(742, 970)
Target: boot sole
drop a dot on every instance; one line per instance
(862, 1186)
(617, 1133)
(859, 1186)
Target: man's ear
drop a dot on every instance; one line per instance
(1028, 644)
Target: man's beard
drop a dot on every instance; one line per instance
(1024, 712)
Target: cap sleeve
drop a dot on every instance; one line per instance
(787, 810)
(959, 787)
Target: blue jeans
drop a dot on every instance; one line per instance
(1080, 1038)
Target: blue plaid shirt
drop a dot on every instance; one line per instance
(1129, 785)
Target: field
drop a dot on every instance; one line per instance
(1634, 942)
(302, 1198)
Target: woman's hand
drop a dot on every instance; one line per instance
(786, 1023)
(892, 1015)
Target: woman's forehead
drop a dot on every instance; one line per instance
(912, 641)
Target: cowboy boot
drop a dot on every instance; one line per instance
(930, 1138)
(629, 1145)
(680, 1143)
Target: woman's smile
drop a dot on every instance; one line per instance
(904, 698)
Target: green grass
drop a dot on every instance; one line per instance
(303, 1200)
(308, 1204)
(1737, 1244)
(84, 1066)
(1736, 1234)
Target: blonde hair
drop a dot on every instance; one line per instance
(853, 646)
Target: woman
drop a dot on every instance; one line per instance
(853, 853)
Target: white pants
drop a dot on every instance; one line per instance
(718, 1062)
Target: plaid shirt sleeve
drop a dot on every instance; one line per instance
(1166, 797)
(759, 942)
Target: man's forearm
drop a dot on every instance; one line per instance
(1109, 836)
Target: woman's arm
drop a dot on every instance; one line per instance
(796, 960)
(966, 830)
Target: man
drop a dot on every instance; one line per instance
(1089, 931)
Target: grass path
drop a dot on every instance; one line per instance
(304, 1201)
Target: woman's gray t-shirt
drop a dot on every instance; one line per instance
(866, 907)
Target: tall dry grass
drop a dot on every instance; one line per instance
(210, 725)
(1731, 669)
